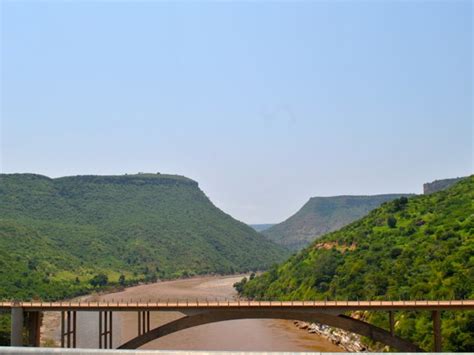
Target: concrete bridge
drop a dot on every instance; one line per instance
(27, 316)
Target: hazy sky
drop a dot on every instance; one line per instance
(265, 104)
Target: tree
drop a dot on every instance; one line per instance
(239, 286)
(122, 280)
(400, 203)
(32, 264)
(99, 280)
(392, 222)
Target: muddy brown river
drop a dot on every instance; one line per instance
(252, 334)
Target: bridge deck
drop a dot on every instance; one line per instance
(183, 304)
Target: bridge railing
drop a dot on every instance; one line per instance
(181, 303)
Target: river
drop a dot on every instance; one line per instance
(244, 335)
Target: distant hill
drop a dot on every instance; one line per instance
(439, 185)
(410, 249)
(260, 227)
(321, 215)
(56, 235)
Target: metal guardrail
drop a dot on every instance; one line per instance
(48, 351)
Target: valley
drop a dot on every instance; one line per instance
(243, 176)
(121, 231)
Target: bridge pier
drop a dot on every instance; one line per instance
(68, 329)
(143, 322)
(33, 327)
(392, 323)
(16, 338)
(436, 315)
(105, 330)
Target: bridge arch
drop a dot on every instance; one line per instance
(333, 320)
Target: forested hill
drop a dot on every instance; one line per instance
(57, 236)
(416, 248)
(321, 215)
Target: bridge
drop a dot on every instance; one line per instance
(26, 316)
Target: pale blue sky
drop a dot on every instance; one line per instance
(265, 104)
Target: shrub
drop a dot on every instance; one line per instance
(395, 252)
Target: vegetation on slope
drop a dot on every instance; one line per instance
(56, 235)
(69, 236)
(416, 248)
(321, 215)
(260, 227)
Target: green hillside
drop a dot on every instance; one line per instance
(416, 248)
(58, 235)
(321, 215)
(260, 227)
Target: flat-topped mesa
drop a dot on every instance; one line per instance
(132, 179)
(126, 179)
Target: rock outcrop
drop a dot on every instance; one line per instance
(439, 185)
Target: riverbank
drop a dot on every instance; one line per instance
(350, 342)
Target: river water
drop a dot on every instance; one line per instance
(244, 335)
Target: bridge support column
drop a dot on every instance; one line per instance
(105, 330)
(68, 329)
(392, 323)
(33, 326)
(436, 315)
(16, 338)
(143, 322)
